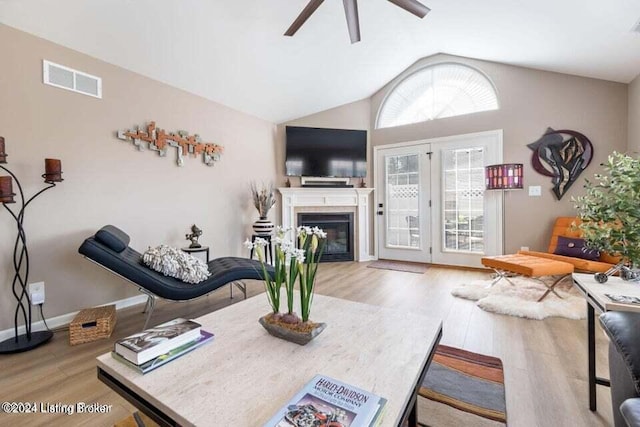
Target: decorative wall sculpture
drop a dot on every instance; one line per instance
(160, 141)
(561, 155)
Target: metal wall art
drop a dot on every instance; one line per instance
(158, 140)
(561, 155)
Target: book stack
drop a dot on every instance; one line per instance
(154, 347)
(324, 401)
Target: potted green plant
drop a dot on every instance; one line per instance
(610, 213)
(264, 199)
(292, 265)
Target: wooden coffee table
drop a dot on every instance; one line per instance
(245, 375)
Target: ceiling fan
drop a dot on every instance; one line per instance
(351, 11)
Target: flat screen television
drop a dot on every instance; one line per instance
(322, 152)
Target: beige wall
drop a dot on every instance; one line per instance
(634, 116)
(530, 101)
(107, 180)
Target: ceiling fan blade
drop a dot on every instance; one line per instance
(412, 6)
(353, 21)
(304, 15)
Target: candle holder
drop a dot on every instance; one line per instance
(29, 340)
(6, 190)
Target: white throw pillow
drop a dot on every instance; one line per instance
(173, 262)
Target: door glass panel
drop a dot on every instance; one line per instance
(403, 201)
(463, 204)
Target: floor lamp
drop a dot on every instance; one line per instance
(53, 174)
(507, 176)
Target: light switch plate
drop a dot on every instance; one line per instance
(535, 190)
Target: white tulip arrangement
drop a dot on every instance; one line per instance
(292, 263)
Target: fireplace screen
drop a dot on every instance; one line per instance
(339, 229)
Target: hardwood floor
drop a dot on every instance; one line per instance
(545, 362)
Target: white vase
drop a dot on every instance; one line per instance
(263, 226)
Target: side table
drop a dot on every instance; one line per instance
(194, 251)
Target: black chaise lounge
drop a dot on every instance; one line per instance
(109, 248)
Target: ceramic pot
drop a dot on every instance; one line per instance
(263, 226)
(287, 334)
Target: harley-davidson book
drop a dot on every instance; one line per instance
(325, 402)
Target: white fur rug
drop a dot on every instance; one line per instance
(521, 300)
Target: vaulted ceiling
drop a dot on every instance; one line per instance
(234, 52)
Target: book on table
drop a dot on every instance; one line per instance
(324, 401)
(624, 299)
(153, 342)
(158, 361)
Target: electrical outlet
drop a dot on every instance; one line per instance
(524, 248)
(535, 190)
(36, 293)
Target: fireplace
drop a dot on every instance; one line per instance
(339, 229)
(329, 200)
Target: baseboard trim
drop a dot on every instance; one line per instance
(65, 319)
(368, 258)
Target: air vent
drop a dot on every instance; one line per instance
(67, 78)
(636, 27)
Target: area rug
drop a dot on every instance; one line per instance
(468, 386)
(521, 300)
(409, 267)
(137, 419)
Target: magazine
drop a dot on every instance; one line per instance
(150, 365)
(326, 401)
(623, 299)
(151, 343)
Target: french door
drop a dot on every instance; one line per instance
(431, 201)
(466, 218)
(403, 203)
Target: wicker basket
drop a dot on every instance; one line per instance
(92, 324)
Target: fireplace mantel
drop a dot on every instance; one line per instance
(303, 197)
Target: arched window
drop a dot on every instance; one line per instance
(442, 90)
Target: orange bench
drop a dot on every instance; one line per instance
(529, 266)
(537, 264)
